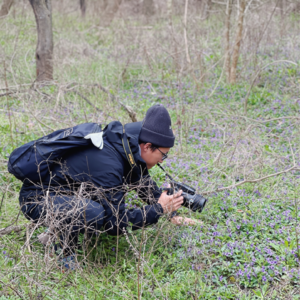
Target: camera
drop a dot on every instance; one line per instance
(191, 200)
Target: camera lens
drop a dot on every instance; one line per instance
(194, 202)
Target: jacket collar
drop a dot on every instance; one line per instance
(114, 132)
(133, 132)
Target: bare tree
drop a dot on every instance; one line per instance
(111, 7)
(205, 7)
(238, 39)
(231, 61)
(6, 7)
(169, 11)
(148, 8)
(82, 7)
(44, 51)
(227, 39)
(185, 33)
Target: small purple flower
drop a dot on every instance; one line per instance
(113, 249)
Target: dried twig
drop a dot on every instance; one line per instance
(130, 111)
(8, 107)
(256, 75)
(28, 239)
(47, 126)
(230, 187)
(6, 94)
(143, 262)
(4, 193)
(12, 289)
(88, 101)
(11, 229)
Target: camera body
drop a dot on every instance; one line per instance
(191, 200)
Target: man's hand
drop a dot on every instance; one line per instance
(177, 220)
(170, 203)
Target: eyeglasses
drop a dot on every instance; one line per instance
(165, 155)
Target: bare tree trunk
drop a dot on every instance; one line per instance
(206, 4)
(169, 11)
(227, 39)
(237, 44)
(44, 50)
(282, 14)
(148, 8)
(281, 7)
(83, 7)
(111, 8)
(185, 33)
(6, 7)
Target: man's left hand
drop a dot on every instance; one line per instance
(177, 220)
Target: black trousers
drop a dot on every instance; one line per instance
(66, 216)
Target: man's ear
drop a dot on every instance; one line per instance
(145, 146)
(148, 146)
(142, 146)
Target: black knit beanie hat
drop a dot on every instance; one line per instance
(156, 128)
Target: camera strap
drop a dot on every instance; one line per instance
(168, 175)
(127, 150)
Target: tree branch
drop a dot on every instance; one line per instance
(11, 229)
(230, 187)
(130, 111)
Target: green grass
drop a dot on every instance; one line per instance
(245, 229)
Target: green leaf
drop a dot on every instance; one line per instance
(257, 293)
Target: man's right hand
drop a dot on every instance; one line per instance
(170, 203)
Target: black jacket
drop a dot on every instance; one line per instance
(106, 177)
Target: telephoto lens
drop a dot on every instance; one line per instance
(194, 202)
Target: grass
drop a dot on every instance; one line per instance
(248, 245)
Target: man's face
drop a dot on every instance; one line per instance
(152, 157)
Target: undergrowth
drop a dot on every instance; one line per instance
(247, 165)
